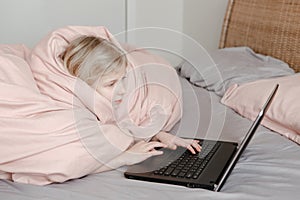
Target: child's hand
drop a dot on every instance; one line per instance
(141, 151)
(173, 141)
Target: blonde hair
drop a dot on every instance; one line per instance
(89, 58)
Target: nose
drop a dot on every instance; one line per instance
(121, 88)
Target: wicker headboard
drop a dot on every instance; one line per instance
(269, 27)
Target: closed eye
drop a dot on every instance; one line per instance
(110, 84)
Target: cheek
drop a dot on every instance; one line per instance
(106, 92)
(110, 93)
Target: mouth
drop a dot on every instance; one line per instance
(118, 101)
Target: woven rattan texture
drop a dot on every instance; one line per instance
(269, 27)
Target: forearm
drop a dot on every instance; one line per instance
(113, 164)
(139, 152)
(157, 136)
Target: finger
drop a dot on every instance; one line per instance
(152, 145)
(193, 143)
(191, 149)
(184, 142)
(155, 153)
(172, 146)
(196, 146)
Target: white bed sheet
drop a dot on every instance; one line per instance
(268, 169)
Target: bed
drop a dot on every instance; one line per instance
(255, 32)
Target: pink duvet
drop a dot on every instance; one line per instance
(54, 127)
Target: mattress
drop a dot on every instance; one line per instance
(268, 169)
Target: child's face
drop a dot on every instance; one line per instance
(111, 87)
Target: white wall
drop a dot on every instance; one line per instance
(27, 21)
(157, 25)
(179, 20)
(203, 19)
(172, 21)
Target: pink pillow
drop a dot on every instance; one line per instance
(283, 114)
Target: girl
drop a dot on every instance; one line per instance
(77, 104)
(103, 65)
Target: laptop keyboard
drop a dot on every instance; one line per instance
(190, 165)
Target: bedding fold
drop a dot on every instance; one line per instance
(55, 127)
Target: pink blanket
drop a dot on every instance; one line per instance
(54, 127)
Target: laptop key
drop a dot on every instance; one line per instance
(181, 174)
(168, 171)
(175, 172)
(189, 165)
(189, 175)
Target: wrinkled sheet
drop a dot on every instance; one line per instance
(268, 169)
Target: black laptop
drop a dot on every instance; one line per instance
(207, 169)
